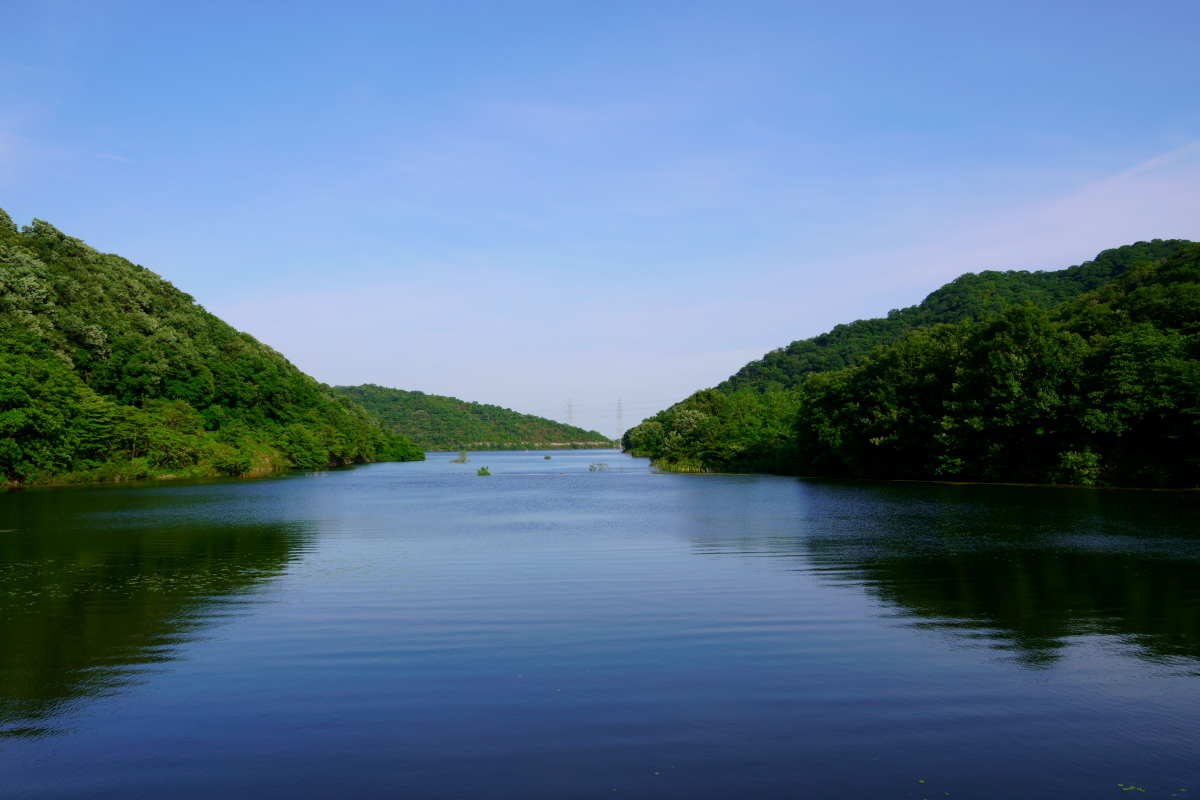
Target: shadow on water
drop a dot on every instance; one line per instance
(97, 589)
(1022, 570)
(1025, 569)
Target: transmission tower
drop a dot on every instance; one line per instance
(570, 411)
(620, 421)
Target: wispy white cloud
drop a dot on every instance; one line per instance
(16, 151)
(1157, 198)
(569, 211)
(8, 153)
(455, 326)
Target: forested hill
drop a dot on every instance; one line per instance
(1102, 389)
(447, 423)
(969, 297)
(108, 372)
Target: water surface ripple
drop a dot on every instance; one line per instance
(557, 631)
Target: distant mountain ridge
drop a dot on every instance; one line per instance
(435, 422)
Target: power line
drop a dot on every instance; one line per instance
(608, 405)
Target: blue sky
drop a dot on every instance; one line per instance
(521, 203)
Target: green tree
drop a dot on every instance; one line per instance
(110, 372)
(1103, 388)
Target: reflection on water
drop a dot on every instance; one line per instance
(1034, 601)
(555, 631)
(105, 588)
(1022, 569)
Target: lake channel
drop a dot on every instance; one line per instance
(567, 630)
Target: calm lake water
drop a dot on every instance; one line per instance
(416, 631)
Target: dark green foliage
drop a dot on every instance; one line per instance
(982, 401)
(107, 372)
(968, 297)
(48, 417)
(447, 423)
(1101, 389)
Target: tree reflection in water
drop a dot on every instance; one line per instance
(1019, 569)
(111, 589)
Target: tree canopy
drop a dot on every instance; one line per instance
(972, 296)
(107, 371)
(435, 422)
(1098, 387)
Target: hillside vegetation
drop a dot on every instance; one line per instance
(1056, 379)
(435, 422)
(108, 372)
(969, 297)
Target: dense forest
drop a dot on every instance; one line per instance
(1088, 376)
(434, 422)
(969, 297)
(108, 372)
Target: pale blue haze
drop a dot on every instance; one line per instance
(523, 202)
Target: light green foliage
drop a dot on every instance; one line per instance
(1079, 468)
(447, 423)
(483, 471)
(712, 430)
(109, 372)
(305, 449)
(1102, 389)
